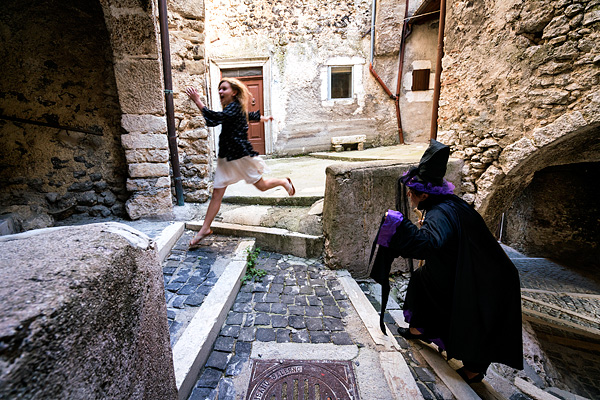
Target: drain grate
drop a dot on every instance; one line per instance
(302, 380)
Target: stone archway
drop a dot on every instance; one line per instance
(82, 112)
(544, 160)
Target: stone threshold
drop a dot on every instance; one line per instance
(277, 240)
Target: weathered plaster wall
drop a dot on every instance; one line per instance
(301, 38)
(519, 92)
(56, 67)
(420, 53)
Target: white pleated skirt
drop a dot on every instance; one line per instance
(250, 169)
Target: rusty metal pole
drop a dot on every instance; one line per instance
(438, 72)
(172, 137)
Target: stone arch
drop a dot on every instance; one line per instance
(82, 110)
(547, 180)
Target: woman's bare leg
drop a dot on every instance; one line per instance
(211, 212)
(269, 183)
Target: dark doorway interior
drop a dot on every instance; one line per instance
(557, 217)
(59, 114)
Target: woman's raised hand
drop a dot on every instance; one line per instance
(194, 96)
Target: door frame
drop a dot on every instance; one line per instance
(214, 72)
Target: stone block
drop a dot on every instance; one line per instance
(146, 155)
(134, 123)
(192, 9)
(564, 125)
(148, 170)
(135, 141)
(150, 204)
(83, 312)
(140, 88)
(516, 153)
(132, 33)
(135, 185)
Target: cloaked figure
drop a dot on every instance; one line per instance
(466, 296)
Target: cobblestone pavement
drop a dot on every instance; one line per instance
(299, 301)
(190, 275)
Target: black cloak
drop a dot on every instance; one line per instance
(467, 293)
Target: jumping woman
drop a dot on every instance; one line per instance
(237, 159)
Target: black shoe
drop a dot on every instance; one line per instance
(476, 379)
(407, 334)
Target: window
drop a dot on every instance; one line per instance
(420, 79)
(241, 72)
(340, 82)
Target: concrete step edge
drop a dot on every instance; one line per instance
(270, 239)
(193, 348)
(167, 239)
(400, 380)
(294, 201)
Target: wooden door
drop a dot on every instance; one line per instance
(256, 130)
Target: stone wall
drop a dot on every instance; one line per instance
(519, 92)
(133, 28)
(60, 126)
(187, 38)
(356, 197)
(82, 109)
(83, 316)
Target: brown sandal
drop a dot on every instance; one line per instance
(196, 245)
(293, 191)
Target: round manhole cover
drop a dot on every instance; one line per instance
(302, 380)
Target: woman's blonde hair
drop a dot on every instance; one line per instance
(243, 94)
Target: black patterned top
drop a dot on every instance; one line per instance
(233, 141)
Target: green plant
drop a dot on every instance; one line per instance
(253, 273)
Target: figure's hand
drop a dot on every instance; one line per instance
(192, 93)
(194, 96)
(265, 118)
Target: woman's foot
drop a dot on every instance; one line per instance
(195, 242)
(469, 376)
(290, 187)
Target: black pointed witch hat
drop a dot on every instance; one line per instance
(428, 177)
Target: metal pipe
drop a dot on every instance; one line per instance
(172, 137)
(383, 85)
(405, 32)
(373, 10)
(438, 72)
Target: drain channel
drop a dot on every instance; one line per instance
(302, 380)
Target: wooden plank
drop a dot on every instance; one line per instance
(533, 391)
(459, 388)
(398, 376)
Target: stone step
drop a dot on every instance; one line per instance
(294, 201)
(271, 239)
